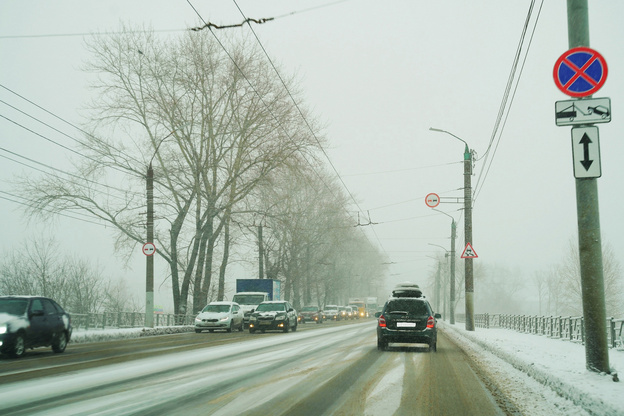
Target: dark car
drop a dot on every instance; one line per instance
(273, 315)
(32, 321)
(311, 314)
(406, 319)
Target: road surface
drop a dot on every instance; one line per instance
(329, 369)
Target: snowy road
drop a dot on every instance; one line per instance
(333, 370)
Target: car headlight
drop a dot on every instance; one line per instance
(280, 317)
(253, 318)
(225, 319)
(3, 329)
(197, 320)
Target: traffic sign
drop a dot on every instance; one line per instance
(580, 72)
(432, 200)
(586, 152)
(587, 111)
(149, 249)
(469, 252)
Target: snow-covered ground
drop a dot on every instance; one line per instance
(524, 364)
(521, 365)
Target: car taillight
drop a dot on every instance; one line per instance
(431, 322)
(382, 321)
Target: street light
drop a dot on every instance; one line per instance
(469, 280)
(452, 283)
(438, 283)
(149, 262)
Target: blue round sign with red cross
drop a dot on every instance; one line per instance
(580, 72)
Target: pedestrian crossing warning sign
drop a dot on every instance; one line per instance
(469, 252)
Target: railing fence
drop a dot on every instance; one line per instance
(570, 328)
(107, 320)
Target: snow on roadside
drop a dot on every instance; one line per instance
(81, 336)
(523, 364)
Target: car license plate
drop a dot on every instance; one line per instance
(406, 324)
(265, 322)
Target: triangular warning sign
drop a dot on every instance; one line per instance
(469, 252)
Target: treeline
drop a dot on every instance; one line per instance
(232, 148)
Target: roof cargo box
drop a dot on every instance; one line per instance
(407, 290)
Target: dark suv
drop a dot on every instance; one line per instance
(407, 319)
(32, 321)
(273, 315)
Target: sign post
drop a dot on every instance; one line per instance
(580, 72)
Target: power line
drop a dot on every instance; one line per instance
(305, 121)
(482, 176)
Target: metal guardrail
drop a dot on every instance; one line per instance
(125, 320)
(570, 328)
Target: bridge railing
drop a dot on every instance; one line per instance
(571, 328)
(125, 320)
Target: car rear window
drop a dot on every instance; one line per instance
(408, 306)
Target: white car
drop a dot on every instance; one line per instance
(220, 315)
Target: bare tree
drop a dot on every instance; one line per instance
(212, 122)
(37, 268)
(569, 282)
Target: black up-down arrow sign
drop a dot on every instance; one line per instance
(585, 141)
(586, 152)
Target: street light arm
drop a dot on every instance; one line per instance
(442, 212)
(451, 134)
(440, 247)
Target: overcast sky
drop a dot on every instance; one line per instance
(379, 75)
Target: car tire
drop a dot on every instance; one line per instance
(229, 328)
(241, 328)
(197, 331)
(286, 326)
(294, 329)
(252, 330)
(59, 343)
(433, 347)
(19, 346)
(211, 330)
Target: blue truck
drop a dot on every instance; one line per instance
(252, 292)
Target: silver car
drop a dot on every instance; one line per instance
(220, 315)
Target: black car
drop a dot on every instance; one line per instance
(32, 321)
(273, 315)
(407, 319)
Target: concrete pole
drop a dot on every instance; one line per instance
(470, 326)
(260, 253)
(149, 267)
(590, 245)
(438, 303)
(452, 301)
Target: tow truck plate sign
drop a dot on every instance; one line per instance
(589, 111)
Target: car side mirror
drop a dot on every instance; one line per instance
(437, 315)
(377, 314)
(290, 310)
(252, 311)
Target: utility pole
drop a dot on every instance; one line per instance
(470, 326)
(149, 266)
(437, 286)
(452, 300)
(260, 253)
(468, 271)
(590, 245)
